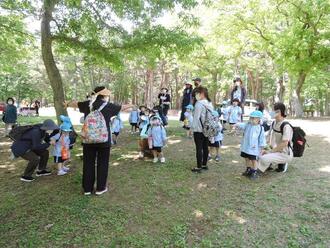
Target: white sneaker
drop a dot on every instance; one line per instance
(162, 160)
(155, 160)
(285, 167)
(141, 155)
(87, 193)
(101, 192)
(61, 172)
(66, 169)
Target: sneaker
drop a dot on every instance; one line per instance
(141, 155)
(253, 175)
(27, 179)
(101, 192)
(196, 170)
(205, 167)
(43, 173)
(61, 172)
(155, 160)
(217, 158)
(209, 157)
(66, 169)
(162, 160)
(282, 167)
(247, 172)
(87, 193)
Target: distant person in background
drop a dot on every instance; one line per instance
(134, 119)
(164, 100)
(37, 106)
(9, 115)
(239, 92)
(266, 120)
(186, 99)
(197, 83)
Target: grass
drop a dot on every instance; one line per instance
(167, 206)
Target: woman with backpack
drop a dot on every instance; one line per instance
(202, 105)
(96, 137)
(280, 144)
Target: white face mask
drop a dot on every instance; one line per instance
(238, 83)
(164, 91)
(49, 131)
(198, 97)
(10, 102)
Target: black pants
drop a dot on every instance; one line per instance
(165, 110)
(202, 151)
(91, 154)
(37, 158)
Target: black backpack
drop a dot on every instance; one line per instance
(298, 139)
(17, 132)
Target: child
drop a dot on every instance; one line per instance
(157, 138)
(61, 150)
(143, 124)
(134, 119)
(116, 127)
(252, 144)
(216, 142)
(188, 120)
(224, 113)
(234, 113)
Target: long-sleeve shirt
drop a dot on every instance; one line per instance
(158, 135)
(235, 113)
(199, 114)
(253, 138)
(116, 125)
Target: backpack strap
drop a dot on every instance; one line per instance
(102, 106)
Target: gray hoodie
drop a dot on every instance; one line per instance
(199, 114)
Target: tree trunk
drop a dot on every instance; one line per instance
(53, 73)
(177, 88)
(280, 89)
(297, 101)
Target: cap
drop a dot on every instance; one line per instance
(66, 127)
(49, 125)
(256, 114)
(197, 79)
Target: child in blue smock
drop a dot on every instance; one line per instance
(216, 141)
(143, 141)
(234, 113)
(134, 119)
(157, 138)
(116, 126)
(188, 120)
(61, 148)
(252, 144)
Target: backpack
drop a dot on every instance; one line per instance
(210, 126)
(298, 139)
(72, 136)
(17, 132)
(95, 130)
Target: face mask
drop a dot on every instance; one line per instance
(164, 91)
(272, 114)
(10, 102)
(198, 97)
(238, 83)
(49, 131)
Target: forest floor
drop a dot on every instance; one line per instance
(166, 205)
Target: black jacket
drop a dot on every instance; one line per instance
(33, 139)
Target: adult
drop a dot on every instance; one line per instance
(100, 152)
(238, 92)
(164, 100)
(37, 105)
(203, 103)
(32, 147)
(281, 152)
(186, 99)
(266, 120)
(197, 83)
(9, 115)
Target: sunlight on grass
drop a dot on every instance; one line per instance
(325, 169)
(7, 165)
(235, 161)
(5, 143)
(230, 146)
(234, 216)
(201, 186)
(171, 142)
(198, 214)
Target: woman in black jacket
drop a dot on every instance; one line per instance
(164, 100)
(186, 99)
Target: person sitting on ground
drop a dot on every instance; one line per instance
(280, 152)
(216, 141)
(61, 149)
(187, 123)
(252, 144)
(116, 126)
(9, 115)
(134, 119)
(157, 138)
(31, 147)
